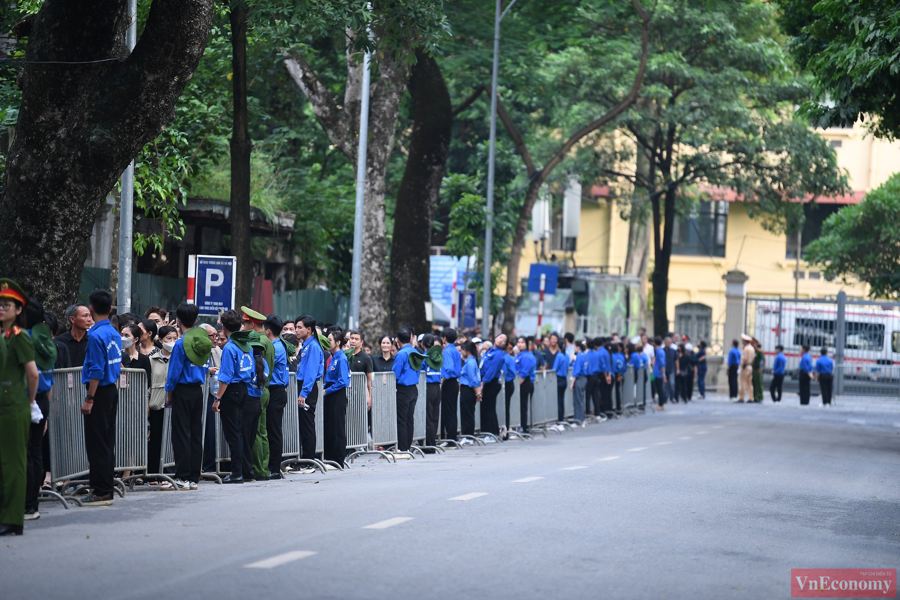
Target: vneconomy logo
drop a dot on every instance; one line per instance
(843, 583)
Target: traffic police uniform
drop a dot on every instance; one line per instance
(261, 444)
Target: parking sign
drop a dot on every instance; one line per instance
(211, 281)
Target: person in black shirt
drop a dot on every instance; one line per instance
(131, 358)
(361, 362)
(76, 340)
(383, 362)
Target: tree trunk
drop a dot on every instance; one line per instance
(663, 259)
(419, 193)
(240, 158)
(81, 124)
(637, 258)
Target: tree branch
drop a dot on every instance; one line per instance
(468, 101)
(517, 138)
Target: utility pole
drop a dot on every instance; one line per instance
(487, 288)
(126, 211)
(356, 276)
(797, 267)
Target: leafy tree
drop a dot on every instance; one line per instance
(715, 115)
(852, 50)
(862, 242)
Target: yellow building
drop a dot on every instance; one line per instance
(724, 237)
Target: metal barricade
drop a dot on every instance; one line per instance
(357, 413)
(628, 398)
(570, 398)
(290, 423)
(384, 417)
(420, 418)
(167, 455)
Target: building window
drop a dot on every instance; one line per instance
(703, 232)
(694, 320)
(814, 216)
(836, 143)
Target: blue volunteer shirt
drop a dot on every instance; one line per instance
(618, 363)
(404, 372)
(103, 357)
(561, 364)
(492, 364)
(337, 376)
(253, 390)
(579, 365)
(431, 375)
(806, 364)
(470, 376)
(824, 365)
(509, 367)
(734, 357)
(182, 370)
(236, 365)
(779, 365)
(636, 360)
(645, 361)
(605, 360)
(660, 365)
(452, 362)
(312, 365)
(526, 365)
(593, 363)
(280, 376)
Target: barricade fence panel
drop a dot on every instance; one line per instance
(357, 413)
(384, 409)
(290, 421)
(421, 409)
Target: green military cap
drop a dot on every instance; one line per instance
(12, 290)
(197, 346)
(253, 316)
(44, 346)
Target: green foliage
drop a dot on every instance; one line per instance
(862, 242)
(852, 50)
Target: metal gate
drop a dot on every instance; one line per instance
(862, 336)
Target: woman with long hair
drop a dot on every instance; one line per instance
(337, 380)
(149, 332)
(384, 360)
(159, 370)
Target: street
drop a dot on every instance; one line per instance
(708, 500)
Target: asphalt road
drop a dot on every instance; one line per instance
(711, 500)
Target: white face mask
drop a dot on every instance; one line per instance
(169, 346)
(127, 343)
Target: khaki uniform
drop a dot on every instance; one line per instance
(745, 391)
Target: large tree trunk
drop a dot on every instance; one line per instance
(419, 193)
(663, 258)
(638, 255)
(341, 125)
(81, 124)
(240, 157)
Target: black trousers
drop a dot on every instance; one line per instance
(605, 391)
(526, 389)
(775, 387)
(804, 387)
(508, 390)
(489, 421)
(561, 383)
(732, 381)
(688, 386)
(335, 426)
(407, 395)
(100, 439)
(187, 431)
(432, 412)
(467, 410)
(597, 395)
(34, 474)
(307, 424)
(617, 385)
(826, 384)
(449, 399)
(155, 420)
(589, 389)
(275, 425)
(232, 408)
(209, 437)
(660, 390)
(250, 414)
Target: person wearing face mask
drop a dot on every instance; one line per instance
(159, 370)
(131, 358)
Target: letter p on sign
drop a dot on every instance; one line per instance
(214, 278)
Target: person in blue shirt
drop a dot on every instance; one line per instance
(592, 371)
(100, 373)
(450, 372)
(659, 373)
(526, 369)
(470, 387)
(734, 365)
(492, 365)
(825, 375)
(579, 381)
(560, 366)
(278, 385)
(337, 380)
(309, 372)
(605, 375)
(509, 379)
(431, 366)
(806, 374)
(407, 389)
(235, 373)
(618, 368)
(778, 368)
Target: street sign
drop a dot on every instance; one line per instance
(467, 315)
(211, 283)
(534, 279)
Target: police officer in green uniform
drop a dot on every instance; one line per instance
(18, 388)
(253, 321)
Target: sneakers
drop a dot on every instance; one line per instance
(489, 440)
(465, 442)
(179, 485)
(32, 515)
(194, 485)
(95, 500)
(307, 470)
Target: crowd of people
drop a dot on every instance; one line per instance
(246, 358)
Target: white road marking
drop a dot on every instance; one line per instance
(573, 468)
(471, 496)
(675, 412)
(388, 523)
(857, 421)
(662, 443)
(686, 438)
(638, 449)
(896, 424)
(526, 480)
(718, 426)
(615, 457)
(702, 432)
(281, 559)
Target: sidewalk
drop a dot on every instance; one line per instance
(843, 403)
